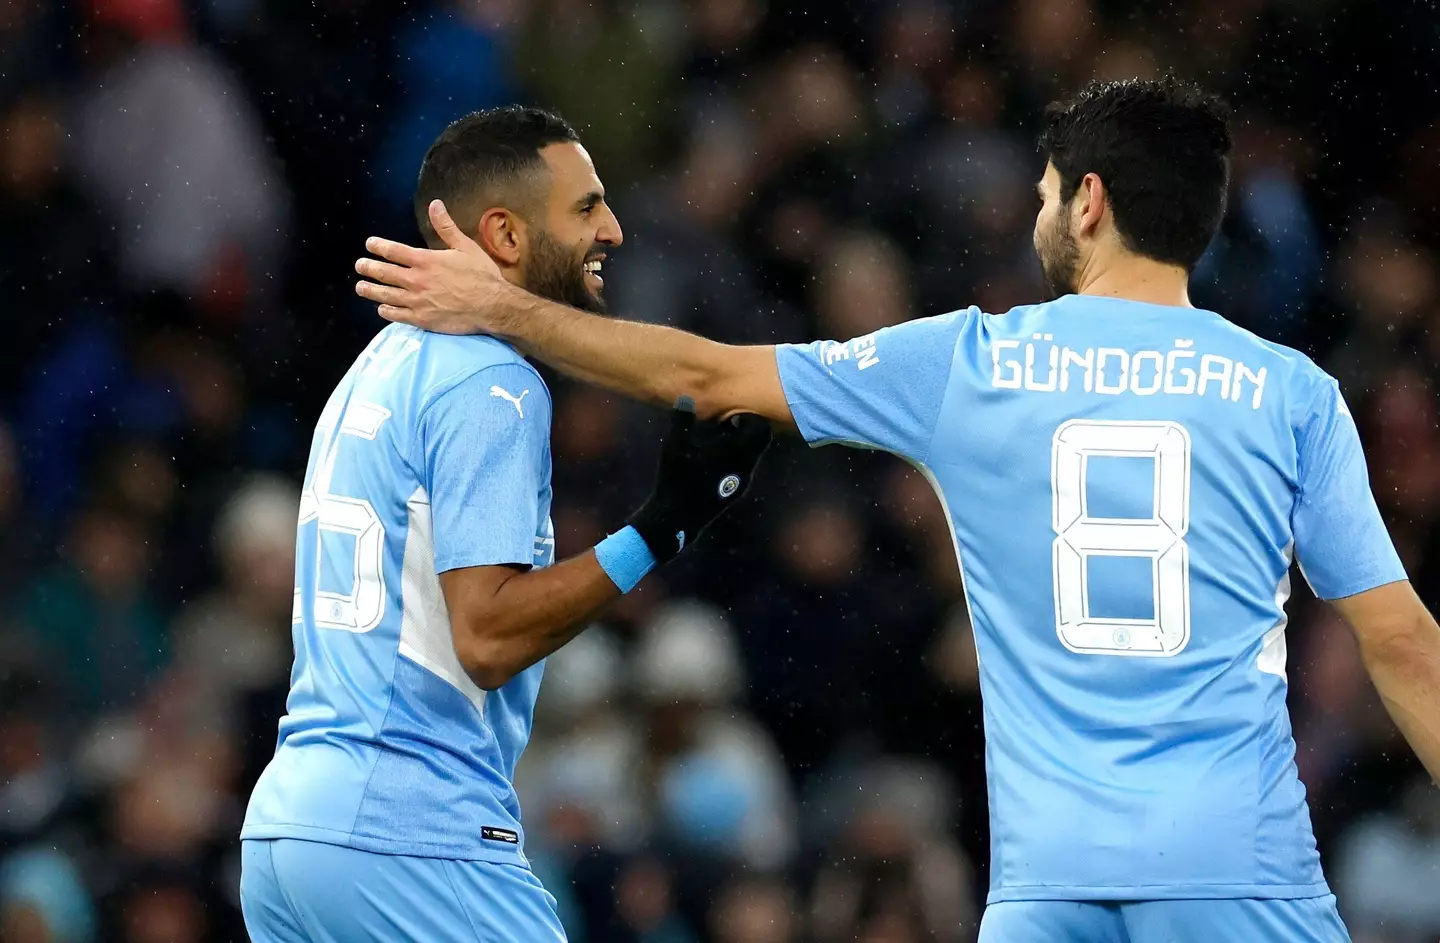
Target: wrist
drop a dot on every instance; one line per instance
(658, 524)
(625, 557)
(508, 310)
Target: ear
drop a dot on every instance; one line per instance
(502, 236)
(1090, 204)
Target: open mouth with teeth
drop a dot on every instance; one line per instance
(592, 274)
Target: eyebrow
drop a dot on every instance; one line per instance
(593, 198)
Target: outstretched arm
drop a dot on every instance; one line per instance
(459, 290)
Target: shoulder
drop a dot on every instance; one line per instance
(448, 362)
(1302, 376)
(934, 330)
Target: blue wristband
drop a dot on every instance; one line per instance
(625, 558)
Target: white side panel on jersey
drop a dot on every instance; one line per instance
(955, 543)
(1274, 652)
(425, 622)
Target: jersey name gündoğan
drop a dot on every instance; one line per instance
(1127, 485)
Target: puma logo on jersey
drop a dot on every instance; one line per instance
(515, 400)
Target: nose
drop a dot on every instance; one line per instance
(609, 232)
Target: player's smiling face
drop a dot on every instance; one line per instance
(567, 252)
(1055, 244)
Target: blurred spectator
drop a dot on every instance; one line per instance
(35, 783)
(236, 638)
(624, 62)
(92, 615)
(812, 634)
(690, 772)
(718, 780)
(679, 265)
(891, 870)
(1052, 39)
(915, 51)
(862, 285)
(752, 910)
(48, 280)
(450, 60)
(1387, 868)
(1263, 270)
(196, 194)
(573, 780)
(723, 50)
(1387, 284)
(43, 900)
(646, 906)
(160, 905)
(17, 548)
(593, 460)
(809, 138)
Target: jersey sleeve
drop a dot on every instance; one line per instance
(882, 391)
(1340, 540)
(484, 445)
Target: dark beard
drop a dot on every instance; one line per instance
(553, 272)
(1059, 256)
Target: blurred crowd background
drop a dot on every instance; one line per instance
(778, 740)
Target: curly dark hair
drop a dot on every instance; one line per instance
(1162, 150)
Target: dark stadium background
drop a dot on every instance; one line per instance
(779, 738)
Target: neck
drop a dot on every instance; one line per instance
(1137, 279)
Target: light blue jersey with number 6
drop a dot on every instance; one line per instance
(432, 454)
(1128, 485)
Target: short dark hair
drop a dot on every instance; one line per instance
(479, 156)
(1160, 147)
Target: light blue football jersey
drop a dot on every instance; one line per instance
(1127, 484)
(432, 454)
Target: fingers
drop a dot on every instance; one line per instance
(446, 229)
(384, 294)
(397, 252)
(386, 272)
(392, 313)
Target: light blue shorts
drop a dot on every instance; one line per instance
(295, 891)
(1312, 920)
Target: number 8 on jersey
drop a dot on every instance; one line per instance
(1159, 538)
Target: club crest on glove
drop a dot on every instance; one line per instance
(729, 485)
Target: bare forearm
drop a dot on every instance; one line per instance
(1406, 672)
(646, 361)
(532, 615)
(643, 361)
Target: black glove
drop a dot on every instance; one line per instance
(704, 468)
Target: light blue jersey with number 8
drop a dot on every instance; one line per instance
(1128, 485)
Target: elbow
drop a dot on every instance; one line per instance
(706, 390)
(707, 378)
(489, 664)
(714, 393)
(1405, 647)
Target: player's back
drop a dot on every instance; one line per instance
(1126, 483)
(429, 455)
